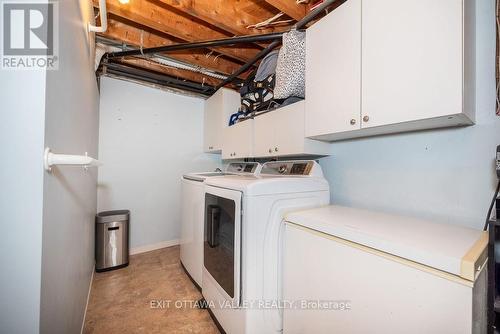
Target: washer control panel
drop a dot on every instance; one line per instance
(243, 167)
(292, 168)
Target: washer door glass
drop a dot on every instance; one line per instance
(221, 229)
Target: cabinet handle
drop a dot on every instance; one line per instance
(275, 149)
(366, 119)
(353, 121)
(270, 150)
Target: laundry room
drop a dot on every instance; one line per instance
(250, 166)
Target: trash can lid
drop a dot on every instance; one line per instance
(112, 216)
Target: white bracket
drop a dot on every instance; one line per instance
(104, 19)
(51, 159)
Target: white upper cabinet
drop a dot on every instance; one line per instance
(412, 60)
(218, 109)
(385, 66)
(281, 133)
(213, 120)
(333, 71)
(238, 140)
(265, 135)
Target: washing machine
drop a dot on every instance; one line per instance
(242, 246)
(192, 215)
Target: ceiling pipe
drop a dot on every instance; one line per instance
(197, 45)
(299, 25)
(104, 19)
(248, 64)
(222, 42)
(113, 46)
(312, 15)
(160, 79)
(276, 37)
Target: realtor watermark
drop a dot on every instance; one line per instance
(305, 304)
(30, 35)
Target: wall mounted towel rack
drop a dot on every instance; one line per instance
(52, 159)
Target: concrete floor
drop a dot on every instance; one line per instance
(136, 299)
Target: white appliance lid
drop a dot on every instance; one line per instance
(266, 185)
(239, 168)
(200, 177)
(440, 246)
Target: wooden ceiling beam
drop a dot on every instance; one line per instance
(149, 15)
(230, 16)
(131, 36)
(290, 8)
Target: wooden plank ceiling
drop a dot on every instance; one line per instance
(153, 23)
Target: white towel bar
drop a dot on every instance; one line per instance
(51, 159)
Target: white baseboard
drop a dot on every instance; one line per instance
(149, 248)
(88, 298)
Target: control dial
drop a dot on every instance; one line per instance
(283, 169)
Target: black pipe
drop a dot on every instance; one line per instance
(161, 79)
(197, 45)
(312, 15)
(230, 41)
(299, 25)
(248, 64)
(110, 42)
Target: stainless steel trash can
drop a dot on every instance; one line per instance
(111, 239)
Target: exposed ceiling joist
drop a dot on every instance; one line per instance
(226, 15)
(150, 15)
(132, 36)
(158, 25)
(290, 8)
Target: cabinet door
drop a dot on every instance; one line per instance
(412, 60)
(264, 136)
(238, 140)
(213, 124)
(232, 103)
(229, 142)
(333, 71)
(289, 129)
(218, 108)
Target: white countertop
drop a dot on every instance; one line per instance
(440, 246)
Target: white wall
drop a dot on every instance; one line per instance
(447, 175)
(148, 138)
(70, 194)
(46, 242)
(21, 194)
